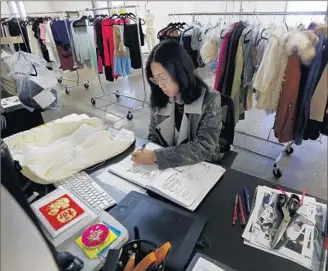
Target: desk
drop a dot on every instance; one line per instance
(226, 243)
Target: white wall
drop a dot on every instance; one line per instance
(37, 6)
(4, 8)
(70, 5)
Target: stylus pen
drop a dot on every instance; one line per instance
(246, 197)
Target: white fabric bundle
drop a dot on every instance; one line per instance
(57, 150)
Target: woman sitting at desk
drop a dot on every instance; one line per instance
(186, 113)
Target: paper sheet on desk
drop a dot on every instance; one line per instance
(125, 134)
(119, 183)
(303, 238)
(204, 265)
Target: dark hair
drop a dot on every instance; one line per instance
(175, 59)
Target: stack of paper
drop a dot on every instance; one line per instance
(303, 240)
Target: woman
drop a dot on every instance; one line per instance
(186, 113)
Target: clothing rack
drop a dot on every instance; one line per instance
(13, 40)
(104, 96)
(260, 13)
(287, 147)
(65, 14)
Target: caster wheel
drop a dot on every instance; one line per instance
(93, 101)
(67, 90)
(290, 151)
(86, 85)
(277, 173)
(129, 116)
(117, 94)
(59, 80)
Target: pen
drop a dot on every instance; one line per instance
(241, 210)
(246, 196)
(234, 214)
(143, 146)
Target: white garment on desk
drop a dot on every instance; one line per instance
(150, 37)
(34, 43)
(57, 150)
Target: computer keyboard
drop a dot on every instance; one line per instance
(86, 189)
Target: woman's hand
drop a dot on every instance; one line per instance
(143, 157)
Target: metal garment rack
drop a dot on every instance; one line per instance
(65, 14)
(104, 96)
(287, 148)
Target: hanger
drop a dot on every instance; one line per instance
(163, 30)
(80, 22)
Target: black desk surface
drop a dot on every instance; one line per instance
(226, 242)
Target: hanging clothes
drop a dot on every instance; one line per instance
(34, 43)
(99, 44)
(63, 45)
(318, 122)
(122, 61)
(268, 79)
(131, 41)
(297, 55)
(36, 31)
(222, 58)
(307, 93)
(80, 42)
(230, 66)
(92, 48)
(15, 29)
(50, 44)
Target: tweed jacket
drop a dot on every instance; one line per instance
(199, 132)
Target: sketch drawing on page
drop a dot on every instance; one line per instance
(144, 172)
(175, 185)
(195, 172)
(125, 134)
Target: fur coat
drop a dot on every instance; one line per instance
(270, 76)
(299, 48)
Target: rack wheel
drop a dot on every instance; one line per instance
(67, 90)
(277, 172)
(290, 151)
(129, 116)
(86, 85)
(93, 101)
(59, 80)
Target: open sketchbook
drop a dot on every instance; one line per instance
(186, 186)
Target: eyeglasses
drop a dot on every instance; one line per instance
(164, 80)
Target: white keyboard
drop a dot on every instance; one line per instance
(86, 189)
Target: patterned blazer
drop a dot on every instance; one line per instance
(199, 134)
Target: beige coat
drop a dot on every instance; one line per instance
(319, 98)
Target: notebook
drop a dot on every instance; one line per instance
(60, 210)
(187, 186)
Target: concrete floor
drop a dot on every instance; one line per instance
(305, 168)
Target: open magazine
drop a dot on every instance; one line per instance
(303, 240)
